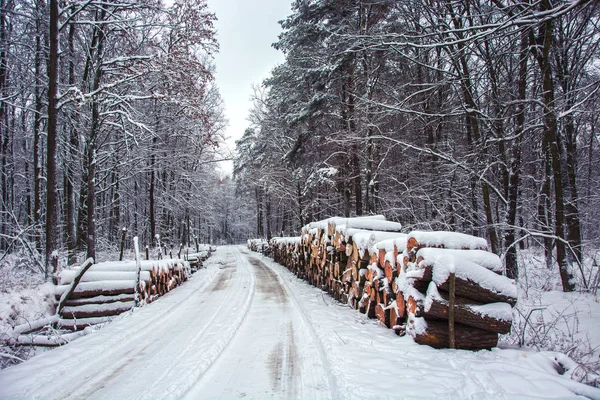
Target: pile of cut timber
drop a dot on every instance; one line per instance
(108, 289)
(482, 298)
(289, 252)
(403, 279)
(258, 245)
(197, 259)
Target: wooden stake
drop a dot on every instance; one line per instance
(123, 233)
(138, 263)
(54, 269)
(451, 301)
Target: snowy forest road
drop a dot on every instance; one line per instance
(231, 331)
(246, 327)
(273, 354)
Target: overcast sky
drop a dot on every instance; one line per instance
(245, 31)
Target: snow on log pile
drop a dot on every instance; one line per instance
(258, 245)
(197, 259)
(108, 289)
(403, 280)
(482, 298)
(289, 252)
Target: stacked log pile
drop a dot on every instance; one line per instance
(481, 298)
(258, 245)
(108, 289)
(197, 259)
(413, 283)
(289, 252)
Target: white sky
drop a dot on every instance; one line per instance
(245, 31)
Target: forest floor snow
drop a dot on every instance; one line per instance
(244, 326)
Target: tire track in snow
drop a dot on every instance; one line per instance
(334, 390)
(213, 343)
(283, 365)
(333, 386)
(273, 355)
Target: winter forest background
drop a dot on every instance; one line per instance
(479, 117)
(472, 116)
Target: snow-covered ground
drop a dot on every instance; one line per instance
(246, 327)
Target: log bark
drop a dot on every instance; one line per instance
(93, 310)
(82, 323)
(78, 294)
(390, 272)
(471, 290)
(451, 310)
(371, 308)
(99, 300)
(383, 314)
(395, 319)
(387, 295)
(466, 337)
(467, 316)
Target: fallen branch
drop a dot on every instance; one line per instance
(33, 326)
(86, 265)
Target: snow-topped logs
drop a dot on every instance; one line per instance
(404, 280)
(108, 289)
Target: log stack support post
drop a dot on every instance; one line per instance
(138, 265)
(123, 234)
(54, 263)
(451, 300)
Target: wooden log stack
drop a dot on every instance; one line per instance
(258, 245)
(197, 259)
(108, 289)
(412, 283)
(482, 299)
(288, 251)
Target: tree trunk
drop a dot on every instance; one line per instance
(472, 124)
(512, 267)
(115, 218)
(152, 209)
(91, 200)
(51, 142)
(71, 227)
(571, 206)
(268, 215)
(4, 132)
(553, 152)
(92, 142)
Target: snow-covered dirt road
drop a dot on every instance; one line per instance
(244, 327)
(231, 331)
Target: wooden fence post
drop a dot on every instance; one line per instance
(138, 263)
(54, 262)
(451, 301)
(123, 233)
